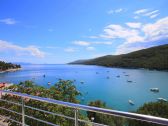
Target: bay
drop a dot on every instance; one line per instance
(114, 86)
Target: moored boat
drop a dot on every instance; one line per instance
(162, 99)
(154, 89)
(131, 102)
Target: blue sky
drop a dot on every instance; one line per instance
(60, 31)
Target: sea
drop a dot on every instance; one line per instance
(114, 86)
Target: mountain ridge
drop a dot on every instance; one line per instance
(151, 58)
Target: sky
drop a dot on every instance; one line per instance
(61, 31)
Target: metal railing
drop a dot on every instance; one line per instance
(76, 107)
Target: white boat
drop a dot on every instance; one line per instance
(130, 102)
(154, 89)
(162, 99)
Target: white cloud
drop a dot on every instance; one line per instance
(30, 50)
(134, 24)
(70, 49)
(8, 21)
(115, 11)
(147, 13)
(117, 31)
(130, 36)
(87, 43)
(151, 13)
(153, 16)
(90, 48)
(157, 30)
(81, 43)
(152, 32)
(141, 11)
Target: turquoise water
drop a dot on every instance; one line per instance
(99, 82)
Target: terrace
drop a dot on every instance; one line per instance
(76, 108)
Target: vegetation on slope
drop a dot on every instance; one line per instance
(151, 58)
(62, 90)
(5, 66)
(159, 109)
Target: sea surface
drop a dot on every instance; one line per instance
(99, 83)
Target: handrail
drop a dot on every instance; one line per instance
(141, 117)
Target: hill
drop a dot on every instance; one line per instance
(150, 58)
(8, 66)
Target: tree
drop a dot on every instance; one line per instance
(62, 90)
(103, 118)
(159, 109)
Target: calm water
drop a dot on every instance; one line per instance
(115, 91)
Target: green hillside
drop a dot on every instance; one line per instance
(5, 66)
(151, 58)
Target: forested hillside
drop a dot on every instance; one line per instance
(5, 66)
(151, 58)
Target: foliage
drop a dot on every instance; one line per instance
(103, 118)
(151, 58)
(6, 66)
(159, 109)
(62, 90)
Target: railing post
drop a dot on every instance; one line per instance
(76, 117)
(23, 112)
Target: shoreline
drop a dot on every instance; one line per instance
(10, 70)
(164, 70)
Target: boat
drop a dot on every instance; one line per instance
(44, 75)
(108, 77)
(162, 99)
(118, 76)
(154, 89)
(131, 102)
(97, 72)
(129, 81)
(127, 75)
(49, 83)
(82, 82)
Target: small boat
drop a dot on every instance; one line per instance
(154, 89)
(97, 72)
(49, 83)
(129, 81)
(108, 77)
(82, 82)
(44, 76)
(162, 99)
(131, 102)
(118, 76)
(127, 75)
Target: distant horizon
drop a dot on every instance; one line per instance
(59, 32)
(29, 63)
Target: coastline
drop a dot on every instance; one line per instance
(10, 70)
(152, 69)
